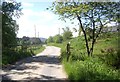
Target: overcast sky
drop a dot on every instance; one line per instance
(36, 15)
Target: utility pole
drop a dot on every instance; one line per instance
(35, 35)
(38, 34)
(35, 30)
(59, 31)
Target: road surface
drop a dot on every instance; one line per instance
(44, 66)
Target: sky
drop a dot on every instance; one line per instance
(35, 16)
(46, 23)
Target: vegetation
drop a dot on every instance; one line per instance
(9, 26)
(50, 39)
(11, 56)
(101, 66)
(12, 48)
(67, 35)
(95, 55)
(58, 38)
(35, 49)
(91, 15)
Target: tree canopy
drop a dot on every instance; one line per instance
(9, 25)
(94, 15)
(50, 39)
(67, 34)
(58, 38)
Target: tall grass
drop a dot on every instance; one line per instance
(10, 56)
(36, 49)
(90, 69)
(101, 66)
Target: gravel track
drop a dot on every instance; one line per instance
(44, 66)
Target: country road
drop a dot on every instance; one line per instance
(44, 66)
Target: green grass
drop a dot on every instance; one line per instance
(105, 43)
(101, 66)
(10, 56)
(90, 69)
(38, 49)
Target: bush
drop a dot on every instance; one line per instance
(11, 56)
(112, 58)
(58, 38)
(90, 69)
(99, 66)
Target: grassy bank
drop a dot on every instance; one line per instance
(103, 65)
(36, 49)
(10, 56)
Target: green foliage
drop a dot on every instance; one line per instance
(10, 51)
(58, 39)
(90, 69)
(111, 57)
(30, 41)
(94, 15)
(9, 26)
(35, 49)
(105, 41)
(11, 56)
(11, 10)
(50, 39)
(102, 66)
(67, 34)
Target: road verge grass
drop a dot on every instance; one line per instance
(101, 66)
(10, 56)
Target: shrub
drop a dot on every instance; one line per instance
(11, 56)
(112, 58)
(90, 69)
(58, 38)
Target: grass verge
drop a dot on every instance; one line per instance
(10, 56)
(101, 66)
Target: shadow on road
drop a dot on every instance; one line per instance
(42, 59)
(21, 66)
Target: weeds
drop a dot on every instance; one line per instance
(101, 66)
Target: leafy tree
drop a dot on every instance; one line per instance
(58, 38)
(67, 34)
(9, 25)
(25, 42)
(94, 15)
(50, 39)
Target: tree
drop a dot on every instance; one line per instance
(58, 38)
(25, 42)
(50, 39)
(94, 15)
(9, 25)
(67, 34)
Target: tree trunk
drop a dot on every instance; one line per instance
(93, 35)
(79, 31)
(85, 36)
